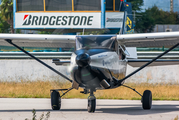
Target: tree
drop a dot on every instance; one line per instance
(45, 32)
(152, 16)
(7, 13)
(163, 17)
(145, 23)
(4, 26)
(136, 4)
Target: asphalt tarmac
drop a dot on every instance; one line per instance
(76, 109)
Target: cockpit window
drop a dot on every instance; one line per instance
(93, 42)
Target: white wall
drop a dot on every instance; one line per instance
(157, 74)
(17, 70)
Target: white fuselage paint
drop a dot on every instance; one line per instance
(105, 60)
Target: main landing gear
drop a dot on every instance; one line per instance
(146, 98)
(56, 98)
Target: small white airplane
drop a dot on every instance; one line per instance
(99, 61)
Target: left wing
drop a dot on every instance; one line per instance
(159, 62)
(149, 39)
(39, 40)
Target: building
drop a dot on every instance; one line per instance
(70, 16)
(166, 28)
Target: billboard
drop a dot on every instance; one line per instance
(129, 24)
(114, 19)
(58, 20)
(80, 20)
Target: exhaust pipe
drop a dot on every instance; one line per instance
(105, 84)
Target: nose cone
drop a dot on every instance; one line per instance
(83, 60)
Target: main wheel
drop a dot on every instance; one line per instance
(147, 100)
(55, 100)
(91, 104)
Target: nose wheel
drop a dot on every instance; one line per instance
(91, 103)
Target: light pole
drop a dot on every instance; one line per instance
(171, 5)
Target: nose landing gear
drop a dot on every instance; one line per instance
(91, 102)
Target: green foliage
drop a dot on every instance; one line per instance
(45, 32)
(7, 12)
(7, 9)
(4, 26)
(145, 23)
(163, 17)
(136, 4)
(152, 16)
(18, 31)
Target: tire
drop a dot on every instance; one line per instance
(55, 100)
(91, 104)
(147, 100)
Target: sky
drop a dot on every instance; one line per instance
(161, 4)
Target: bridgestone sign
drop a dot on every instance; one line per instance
(114, 19)
(57, 20)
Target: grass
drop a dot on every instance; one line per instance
(176, 118)
(40, 89)
(45, 117)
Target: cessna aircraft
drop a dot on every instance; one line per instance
(99, 61)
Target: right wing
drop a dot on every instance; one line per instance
(39, 40)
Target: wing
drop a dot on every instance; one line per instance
(160, 62)
(39, 40)
(149, 39)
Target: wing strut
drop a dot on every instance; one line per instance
(120, 82)
(10, 42)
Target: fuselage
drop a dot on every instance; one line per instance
(98, 64)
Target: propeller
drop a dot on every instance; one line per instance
(83, 60)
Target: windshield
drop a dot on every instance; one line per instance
(91, 42)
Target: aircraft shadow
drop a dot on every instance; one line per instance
(121, 109)
(138, 110)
